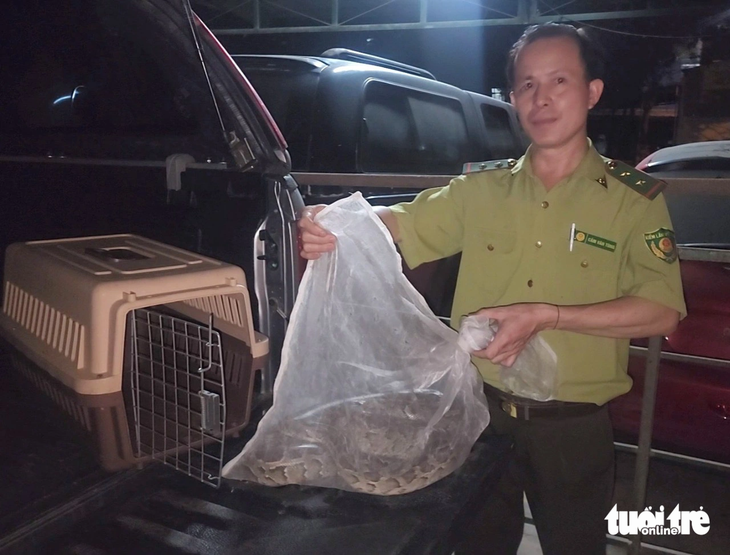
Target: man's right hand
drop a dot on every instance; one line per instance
(315, 240)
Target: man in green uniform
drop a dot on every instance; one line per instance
(563, 243)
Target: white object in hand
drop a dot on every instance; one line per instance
(476, 333)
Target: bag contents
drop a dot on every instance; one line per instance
(534, 373)
(373, 393)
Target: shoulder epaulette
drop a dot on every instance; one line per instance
(471, 167)
(644, 184)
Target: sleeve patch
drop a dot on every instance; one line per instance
(662, 244)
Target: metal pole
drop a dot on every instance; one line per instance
(527, 11)
(529, 8)
(256, 14)
(335, 12)
(424, 11)
(523, 11)
(643, 453)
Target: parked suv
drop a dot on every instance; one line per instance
(350, 112)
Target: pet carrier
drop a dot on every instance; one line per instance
(149, 347)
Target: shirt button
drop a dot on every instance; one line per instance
(538, 244)
(490, 247)
(529, 283)
(584, 264)
(545, 204)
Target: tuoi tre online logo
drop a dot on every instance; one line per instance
(648, 523)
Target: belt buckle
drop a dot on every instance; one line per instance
(510, 408)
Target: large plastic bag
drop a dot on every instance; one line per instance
(534, 373)
(373, 393)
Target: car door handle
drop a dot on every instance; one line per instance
(721, 409)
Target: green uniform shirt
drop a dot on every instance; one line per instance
(515, 238)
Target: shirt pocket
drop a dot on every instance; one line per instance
(492, 242)
(588, 274)
(490, 259)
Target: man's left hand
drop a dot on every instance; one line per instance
(517, 324)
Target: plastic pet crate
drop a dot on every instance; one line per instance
(150, 348)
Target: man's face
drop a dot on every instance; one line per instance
(551, 94)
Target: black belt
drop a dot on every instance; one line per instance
(529, 409)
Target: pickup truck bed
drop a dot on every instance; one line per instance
(56, 500)
(43, 459)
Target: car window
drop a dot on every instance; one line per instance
(89, 79)
(501, 140)
(411, 131)
(107, 79)
(289, 95)
(699, 210)
(699, 218)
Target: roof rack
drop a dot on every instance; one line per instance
(362, 57)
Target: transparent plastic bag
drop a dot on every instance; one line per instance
(534, 373)
(373, 393)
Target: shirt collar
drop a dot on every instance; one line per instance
(592, 167)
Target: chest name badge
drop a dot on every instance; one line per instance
(594, 241)
(662, 244)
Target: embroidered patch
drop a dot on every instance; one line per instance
(594, 241)
(662, 244)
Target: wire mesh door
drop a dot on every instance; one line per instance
(178, 393)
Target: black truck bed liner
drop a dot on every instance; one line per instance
(57, 500)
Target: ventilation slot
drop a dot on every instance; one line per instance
(50, 326)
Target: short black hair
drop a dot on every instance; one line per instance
(590, 52)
